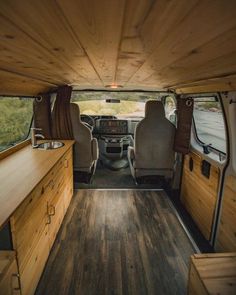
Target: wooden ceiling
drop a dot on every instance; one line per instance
(184, 45)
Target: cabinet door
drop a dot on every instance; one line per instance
(58, 203)
(28, 228)
(29, 225)
(9, 276)
(56, 215)
(68, 171)
(31, 274)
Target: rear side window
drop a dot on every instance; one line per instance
(209, 123)
(15, 120)
(170, 109)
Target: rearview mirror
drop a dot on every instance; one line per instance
(112, 100)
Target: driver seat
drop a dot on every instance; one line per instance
(85, 147)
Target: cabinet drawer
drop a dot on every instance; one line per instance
(68, 192)
(55, 220)
(31, 274)
(9, 276)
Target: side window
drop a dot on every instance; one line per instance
(209, 123)
(15, 119)
(170, 109)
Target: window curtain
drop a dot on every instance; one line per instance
(184, 125)
(42, 115)
(61, 119)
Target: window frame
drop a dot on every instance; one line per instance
(217, 99)
(16, 144)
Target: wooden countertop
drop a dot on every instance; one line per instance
(21, 172)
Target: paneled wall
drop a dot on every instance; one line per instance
(199, 193)
(226, 237)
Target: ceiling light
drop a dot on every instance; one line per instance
(113, 86)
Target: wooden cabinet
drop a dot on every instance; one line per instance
(199, 193)
(212, 274)
(36, 222)
(9, 275)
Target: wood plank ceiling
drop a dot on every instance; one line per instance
(147, 44)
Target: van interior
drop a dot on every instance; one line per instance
(117, 147)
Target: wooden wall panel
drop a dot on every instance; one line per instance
(210, 85)
(226, 237)
(135, 43)
(16, 84)
(198, 193)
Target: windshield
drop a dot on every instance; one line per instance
(127, 104)
(124, 109)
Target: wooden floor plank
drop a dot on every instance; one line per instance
(118, 242)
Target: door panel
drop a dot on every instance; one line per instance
(199, 193)
(226, 238)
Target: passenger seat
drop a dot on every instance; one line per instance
(153, 152)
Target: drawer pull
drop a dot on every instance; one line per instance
(17, 276)
(52, 213)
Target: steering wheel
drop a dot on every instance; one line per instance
(88, 121)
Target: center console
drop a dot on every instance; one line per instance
(114, 138)
(115, 146)
(107, 126)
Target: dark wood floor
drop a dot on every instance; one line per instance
(118, 242)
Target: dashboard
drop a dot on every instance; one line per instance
(110, 125)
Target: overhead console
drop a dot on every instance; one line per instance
(109, 127)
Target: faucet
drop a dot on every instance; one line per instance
(34, 136)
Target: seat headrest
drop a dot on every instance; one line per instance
(74, 107)
(154, 109)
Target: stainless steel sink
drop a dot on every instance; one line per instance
(51, 145)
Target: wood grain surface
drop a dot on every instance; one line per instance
(136, 43)
(226, 236)
(199, 193)
(213, 274)
(118, 242)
